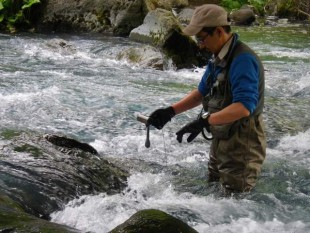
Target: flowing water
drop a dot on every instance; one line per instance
(84, 92)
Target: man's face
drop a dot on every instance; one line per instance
(209, 42)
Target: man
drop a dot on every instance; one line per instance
(232, 93)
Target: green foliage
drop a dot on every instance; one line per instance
(236, 4)
(258, 5)
(14, 13)
(286, 8)
(233, 4)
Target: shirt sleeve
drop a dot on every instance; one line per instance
(244, 80)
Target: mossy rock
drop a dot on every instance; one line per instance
(153, 221)
(14, 219)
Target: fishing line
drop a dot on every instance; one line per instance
(165, 148)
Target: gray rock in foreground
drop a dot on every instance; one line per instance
(44, 173)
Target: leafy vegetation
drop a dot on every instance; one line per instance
(236, 4)
(285, 8)
(14, 13)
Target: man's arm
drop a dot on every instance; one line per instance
(192, 100)
(231, 113)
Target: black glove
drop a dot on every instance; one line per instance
(160, 117)
(193, 128)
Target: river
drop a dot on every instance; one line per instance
(84, 92)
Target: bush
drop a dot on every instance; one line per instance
(236, 4)
(15, 13)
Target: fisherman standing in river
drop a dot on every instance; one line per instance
(232, 94)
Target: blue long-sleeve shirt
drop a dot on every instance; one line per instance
(244, 79)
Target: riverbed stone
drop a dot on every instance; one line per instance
(145, 56)
(42, 173)
(153, 221)
(243, 16)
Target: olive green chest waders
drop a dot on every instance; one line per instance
(238, 149)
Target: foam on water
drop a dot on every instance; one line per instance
(290, 53)
(101, 213)
(17, 97)
(295, 148)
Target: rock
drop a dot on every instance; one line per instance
(42, 176)
(283, 21)
(243, 16)
(153, 221)
(156, 28)
(185, 15)
(71, 15)
(117, 16)
(161, 29)
(70, 143)
(61, 46)
(145, 56)
(14, 219)
(126, 15)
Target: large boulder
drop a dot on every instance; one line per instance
(14, 219)
(162, 29)
(185, 15)
(117, 16)
(113, 16)
(153, 221)
(157, 26)
(244, 16)
(42, 173)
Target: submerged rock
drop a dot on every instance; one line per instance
(42, 176)
(145, 56)
(153, 221)
(61, 46)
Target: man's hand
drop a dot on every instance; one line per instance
(193, 128)
(160, 117)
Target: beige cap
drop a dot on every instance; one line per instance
(207, 15)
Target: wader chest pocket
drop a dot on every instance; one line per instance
(224, 131)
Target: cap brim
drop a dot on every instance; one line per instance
(191, 30)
